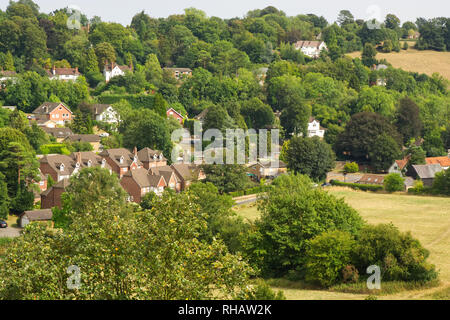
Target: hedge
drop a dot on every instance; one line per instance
(363, 187)
(54, 148)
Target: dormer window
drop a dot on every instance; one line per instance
(61, 167)
(89, 163)
(121, 160)
(155, 157)
(77, 165)
(103, 162)
(161, 157)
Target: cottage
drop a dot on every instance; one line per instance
(57, 112)
(311, 49)
(35, 215)
(399, 166)
(92, 139)
(169, 175)
(139, 182)
(179, 73)
(151, 158)
(314, 128)
(426, 173)
(114, 70)
(187, 173)
(63, 74)
(175, 114)
(104, 113)
(121, 160)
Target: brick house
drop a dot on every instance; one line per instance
(151, 158)
(121, 160)
(52, 196)
(175, 114)
(139, 182)
(169, 175)
(187, 173)
(54, 111)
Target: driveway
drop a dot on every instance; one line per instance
(10, 232)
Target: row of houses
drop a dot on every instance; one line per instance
(140, 172)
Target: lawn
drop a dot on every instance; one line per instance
(428, 219)
(425, 61)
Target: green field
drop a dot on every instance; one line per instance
(428, 219)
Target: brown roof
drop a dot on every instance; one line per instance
(63, 71)
(144, 178)
(48, 107)
(147, 155)
(166, 171)
(402, 163)
(89, 158)
(38, 215)
(98, 108)
(70, 162)
(201, 115)
(58, 132)
(443, 161)
(371, 179)
(116, 154)
(109, 67)
(84, 138)
(186, 171)
(63, 184)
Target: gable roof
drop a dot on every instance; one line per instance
(371, 179)
(110, 67)
(147, 155)
(84, 138)
(48, 107)
(427, 171)
(166, 171)
(98, 108)
(186, 171)
(144, 178)
(38, 215)
(308, 44)
(58, 132)
(116, 154)
(175, 111)
(402, 163)
(63, 72)
(443, 161)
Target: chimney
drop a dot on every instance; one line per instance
(78, 157)
(135, 151)
(76, 70)
(54, 70)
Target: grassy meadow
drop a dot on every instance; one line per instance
(428, 219)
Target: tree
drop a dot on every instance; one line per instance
(226, 177)
(326, 257)
(384, 152)
(257, 115)
(4, 198)
(310, 156)
(345, 17)
(408, 120)
(392, 22)
(351, 167)
(418, 155)
(394, 182)
(153, 71)
(441, 183)
(293, 213)
(368, 55)
(105, 54)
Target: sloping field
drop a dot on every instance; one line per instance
(426, 61)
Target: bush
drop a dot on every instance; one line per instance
(57, 148)
(260, 291)
(357, 186)
(350, 274)
(394, 182)
(351, 167)
(441, 183)
(399, 255)
(326, 257)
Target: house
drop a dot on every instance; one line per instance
(399, 166)
(52, 196)
(10, 108)
(63, 74)
(42, 186)
(104, 113)
(61, 167)
(121, 160)
(35, 215)
(169, 175)
(58, 133)
(266, 169)
(92, 139)
(314, 128)
(187, 173)
(179, 73)
(151, 158)
(57, 112)
(7, 75)
(443, 161)
(425, 172)
(371, 179)
(113, 70)
(44, 123)
(139, 182)
(175, 114)
(311, 49)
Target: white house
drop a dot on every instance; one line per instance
(63, 74)
(314, 128)
(113, 70)
(311, 49)
(104, 113)
(7, 75)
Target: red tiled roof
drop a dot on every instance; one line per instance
(443, 161)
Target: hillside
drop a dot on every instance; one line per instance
(426, 61)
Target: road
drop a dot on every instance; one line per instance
(10, 232)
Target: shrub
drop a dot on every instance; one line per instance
(399, 255)
(350, 274)
(351, 167)
(326, 257)
(57, 148)
(357, 186)
(260, 291)
(394, 182)
(441, 183)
